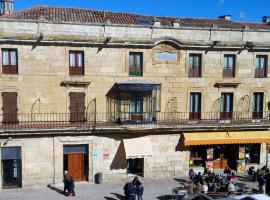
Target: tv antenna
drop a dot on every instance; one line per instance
(221, 2)
(242, 16)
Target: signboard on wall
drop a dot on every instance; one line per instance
(241, 165)
(210, 154)
(242, 152)
(210, 166)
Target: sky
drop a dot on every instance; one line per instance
(241, 10)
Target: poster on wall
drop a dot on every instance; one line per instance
(210, 166)
(242, 152)
(241, 165)
(210, 154)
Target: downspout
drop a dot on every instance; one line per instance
(53, 161)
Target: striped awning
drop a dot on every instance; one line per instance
(209, 138)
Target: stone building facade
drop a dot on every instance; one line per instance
(94, 91)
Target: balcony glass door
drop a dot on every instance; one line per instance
(136, 105)
(226, 106)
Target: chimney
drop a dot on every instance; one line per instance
(266, 19)
(6, 7)
(157, 22)
(226, 17)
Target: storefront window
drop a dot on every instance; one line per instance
(253, 153)
(197, 155)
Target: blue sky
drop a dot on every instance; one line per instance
(241, 10)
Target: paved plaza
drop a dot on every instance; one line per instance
(154, 189)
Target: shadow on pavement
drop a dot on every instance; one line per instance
(180, 180)
(165, 197)
(55, 189)
(119, 196)
(110, 198)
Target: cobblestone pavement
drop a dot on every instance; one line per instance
(154, 189)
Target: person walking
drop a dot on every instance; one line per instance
(130, 190)
(267, 180)
(139, 191)
(66, 182)
(261, 181)
(71, 186)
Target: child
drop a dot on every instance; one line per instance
(139, 190)
(71, 186)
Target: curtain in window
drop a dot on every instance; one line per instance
(222, 103)
(133, 102)
(79, 60)
(196, 61)
(138, 60)
(13, 59)
(131, 60)
(191, 61)
(139, 102)
(258, 102)
(228, 103)
(5, 57)
(72, 59)
(195, 101)
(260, 62)
(228, 62)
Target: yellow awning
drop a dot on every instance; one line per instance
(244, 137)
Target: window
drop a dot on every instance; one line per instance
(257, 105)
(136, 106)
(195, 65)
(10, 109)
(135, 64)
(226, 106)
(195, 106)
(166, 56)
(197, 155)
(253, 153)
(77, 106)
(9, 61)
(261, 66)
(76, 63)
(229, 66)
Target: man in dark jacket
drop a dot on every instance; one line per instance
(66, 182)
(130, 191)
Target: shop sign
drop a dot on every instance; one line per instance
(210, 154)
(210, 166)
(106, 154)
(242, 152)
(241, 165)
(94, 153)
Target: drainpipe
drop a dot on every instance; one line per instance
(53, 162)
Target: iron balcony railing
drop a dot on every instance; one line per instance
(170, 119)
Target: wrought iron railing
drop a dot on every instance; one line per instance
(170, 119)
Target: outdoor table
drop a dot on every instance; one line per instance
(178, 191)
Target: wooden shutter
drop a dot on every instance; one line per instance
(77, 106)
(10, 109)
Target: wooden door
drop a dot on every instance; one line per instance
(76, 166)
(77, 106)
(9, 107)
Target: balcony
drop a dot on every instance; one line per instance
(260, 73)
(127, 119)
(228, 73)
(135, 71)
(194, 72)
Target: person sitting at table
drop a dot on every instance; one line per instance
(192, 174)
(197, 188)
(199, 177)
(204, 188)
(231, 188)
(227, 170)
